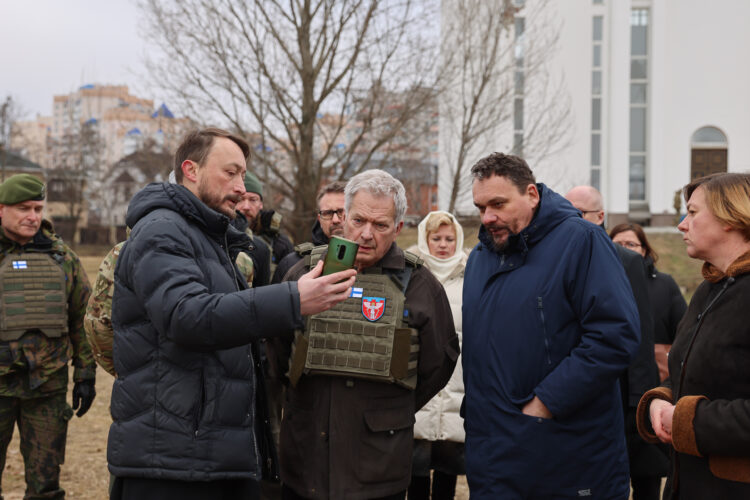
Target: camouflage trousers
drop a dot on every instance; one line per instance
(43, 426)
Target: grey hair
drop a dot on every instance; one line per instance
(377, 183)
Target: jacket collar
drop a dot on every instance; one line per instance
(177, 198)
(318, 236)
(740, 266)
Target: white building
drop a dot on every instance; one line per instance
(659, 93)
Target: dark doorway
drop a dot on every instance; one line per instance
(708, 152)
(707, 161)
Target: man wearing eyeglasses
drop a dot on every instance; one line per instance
(643, 373)
(330, 222)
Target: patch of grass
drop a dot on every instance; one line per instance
(674, 260)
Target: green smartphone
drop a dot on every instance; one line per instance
(340, 256)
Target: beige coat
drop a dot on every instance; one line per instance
(439, 419)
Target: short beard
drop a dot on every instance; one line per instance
(499, 247)
(215, 203)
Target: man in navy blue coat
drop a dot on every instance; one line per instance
(550, 323)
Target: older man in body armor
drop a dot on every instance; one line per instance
(360, 371)
(43, 299)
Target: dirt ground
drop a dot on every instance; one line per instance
(84, 475)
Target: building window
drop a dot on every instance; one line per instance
(638, 104)
(596, 101)
(709, 136)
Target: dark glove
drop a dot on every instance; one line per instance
(83, 394)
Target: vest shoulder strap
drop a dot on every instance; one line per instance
(413, 259)
(304, 248)
(315, 254)
(401, 278)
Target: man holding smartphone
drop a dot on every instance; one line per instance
(359, 372)
(187, 406)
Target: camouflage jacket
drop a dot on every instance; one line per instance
(28, 363)
(98, 320)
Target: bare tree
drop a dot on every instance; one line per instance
(10, 112)
(78, 156)
(497, 83)
(274, 71)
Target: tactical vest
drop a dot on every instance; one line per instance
(33, 296)
(365, 336)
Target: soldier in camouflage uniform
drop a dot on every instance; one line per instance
(263, 226)
(98, 319)
(44, 294)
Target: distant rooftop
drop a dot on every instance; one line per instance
(16, 162)
(162, 111)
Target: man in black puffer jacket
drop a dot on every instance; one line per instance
(187, 406)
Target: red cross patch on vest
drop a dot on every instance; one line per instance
(373, 308)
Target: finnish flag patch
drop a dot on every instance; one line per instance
(21, 264)
(356, 293)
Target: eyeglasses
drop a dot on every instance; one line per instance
(629, 244)
(584, 212)
(328, 214)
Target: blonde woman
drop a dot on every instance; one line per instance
(439, 430)
(703, 408)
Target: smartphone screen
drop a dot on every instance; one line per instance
(340, 256)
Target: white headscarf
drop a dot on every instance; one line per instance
(441, 268)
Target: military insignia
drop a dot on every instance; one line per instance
(373, 308)
(20, 264)
(356, 293)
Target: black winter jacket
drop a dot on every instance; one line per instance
(709, 383)
(669, 305)
(642, 374)
(184, 403)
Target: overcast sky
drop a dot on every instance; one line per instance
(50, 47)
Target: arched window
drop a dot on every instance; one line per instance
(708, 152)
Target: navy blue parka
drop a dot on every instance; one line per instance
(551, 316)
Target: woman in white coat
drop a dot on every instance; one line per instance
(439, 430)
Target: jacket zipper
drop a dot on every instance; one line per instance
(201, 402)
(701, 316)
(540, 307)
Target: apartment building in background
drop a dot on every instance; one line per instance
(658, 94)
